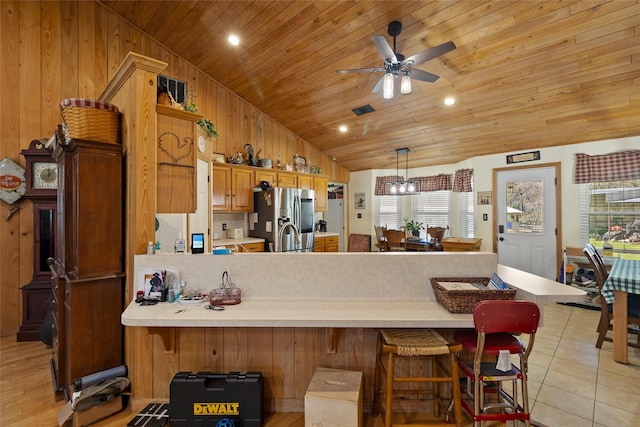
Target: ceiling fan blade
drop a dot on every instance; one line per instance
(428, 54)
(384, 49)
(361, 70)
(378, 86)
(423, 75)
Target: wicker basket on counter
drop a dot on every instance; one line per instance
(91, 120)
(463, 300)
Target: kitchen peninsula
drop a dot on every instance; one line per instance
(301, 311)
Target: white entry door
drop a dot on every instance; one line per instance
(525, 204)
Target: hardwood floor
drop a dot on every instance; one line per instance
(27, 398)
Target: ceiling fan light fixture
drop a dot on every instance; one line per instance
(387, 86)
(405, 85)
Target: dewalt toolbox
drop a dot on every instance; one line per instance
(216, 400)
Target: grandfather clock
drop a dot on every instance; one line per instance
(41, 176)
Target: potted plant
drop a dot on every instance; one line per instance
(414, 228)
(206, 124)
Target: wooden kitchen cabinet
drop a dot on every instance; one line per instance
(320, 185)
(176, 160)
(325, 244)
(287, 180)
(249, 247)
(305, 182)
(220, 188)
(231, 189)
(268, 175)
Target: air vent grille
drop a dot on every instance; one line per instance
(365, 109)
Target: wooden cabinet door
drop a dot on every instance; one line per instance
(242, 190)
(321, 188)
(176, 160)
(220, 188)
(318, 244)
(331, 244)
(287, 180)
(266, 175)
(305, 182)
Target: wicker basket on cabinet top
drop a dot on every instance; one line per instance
(91, 120)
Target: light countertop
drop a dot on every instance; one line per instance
(243, 241)
(324, 234)
(351, 289)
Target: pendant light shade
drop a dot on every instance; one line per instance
(405, 186)
(387, 86)
(405, 86)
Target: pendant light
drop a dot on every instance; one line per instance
(387, 86)
(405, 186)
(405, 86)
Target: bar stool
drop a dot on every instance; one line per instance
(421, 343)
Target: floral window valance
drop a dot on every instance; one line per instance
(607, 167)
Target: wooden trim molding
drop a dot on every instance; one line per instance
(132, 62)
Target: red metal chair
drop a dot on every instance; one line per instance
(496, 325)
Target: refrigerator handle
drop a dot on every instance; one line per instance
(297, 208)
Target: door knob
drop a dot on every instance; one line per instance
(501, 239)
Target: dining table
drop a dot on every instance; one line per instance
(624, 278)
(418, 245)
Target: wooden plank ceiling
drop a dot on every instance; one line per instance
(525, 74)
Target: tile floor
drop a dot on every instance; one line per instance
(574, 384)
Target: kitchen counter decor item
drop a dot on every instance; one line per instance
(91, 120)
(460, 294)
(226, 293)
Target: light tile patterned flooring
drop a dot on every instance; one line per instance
(574, 384)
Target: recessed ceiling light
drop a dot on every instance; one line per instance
(449, 100)
(343, 128)
(234, 40)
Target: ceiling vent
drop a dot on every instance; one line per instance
(365, 109)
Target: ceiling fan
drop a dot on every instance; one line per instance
(395, 64)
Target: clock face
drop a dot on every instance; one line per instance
(202, 143)
(45, 175)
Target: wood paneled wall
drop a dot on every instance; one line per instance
(52, 50)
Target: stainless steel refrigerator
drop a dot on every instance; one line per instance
(284, 218)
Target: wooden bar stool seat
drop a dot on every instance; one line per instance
(416, 343)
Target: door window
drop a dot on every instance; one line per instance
(524, 207)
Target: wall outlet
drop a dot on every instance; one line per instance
(224, 227)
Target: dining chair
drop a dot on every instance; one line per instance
(395, 239)
(437, 232)
(381, 242)
(359, 243)
(606, 310)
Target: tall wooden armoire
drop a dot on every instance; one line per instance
(88, 279)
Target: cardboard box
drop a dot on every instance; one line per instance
(334, 398)
(69, 418)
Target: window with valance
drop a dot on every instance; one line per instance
(610, 208)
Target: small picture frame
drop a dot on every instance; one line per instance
(359, 201)
(484, 198)
(218, 158)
